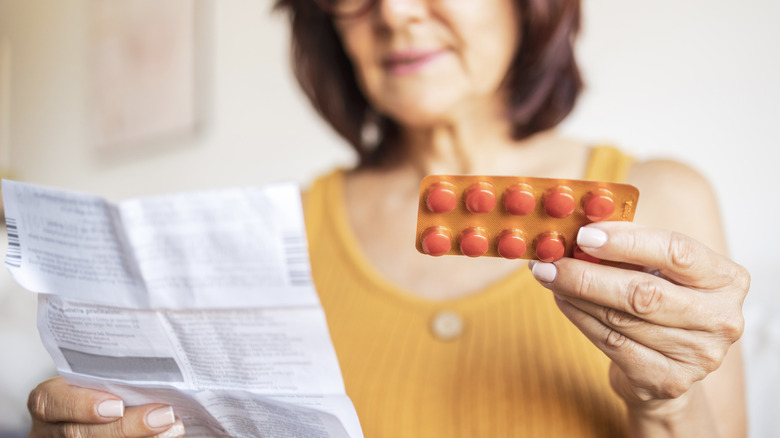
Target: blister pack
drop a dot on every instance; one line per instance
(515, 217)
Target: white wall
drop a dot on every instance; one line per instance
(256, 130)
(695, 80)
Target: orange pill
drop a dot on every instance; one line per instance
(550, 247)
(436, 241)
(598, 205)
(511, 244)
(473, 241)
(519, 199)
(441, 197)
(559, 202)
(480, 198)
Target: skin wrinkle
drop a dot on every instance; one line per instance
(71, 430)
(678, 269)
(36, 405)
(619, 319)
(685, 265)
(645, 296)
(631, 322)
(671, 383)
(615, 339)
(711, 357)
(656, 388)
(682, 253)
(584, 284)
(733, 326)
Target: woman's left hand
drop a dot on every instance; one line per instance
(666, 316)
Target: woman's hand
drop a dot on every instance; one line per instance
(666, 317)
(59, 409)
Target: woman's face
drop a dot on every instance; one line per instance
(426, 61)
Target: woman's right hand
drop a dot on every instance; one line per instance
(59, 409)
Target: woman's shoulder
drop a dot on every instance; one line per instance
(321, 186)
(321, 196)
(671, 177)
(675, 196)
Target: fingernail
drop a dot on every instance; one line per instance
(111, 408)
(160, 417)
(177, 430)
(531, 264)
(544, 272)
(589, 237)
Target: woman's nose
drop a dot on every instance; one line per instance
(395, 13)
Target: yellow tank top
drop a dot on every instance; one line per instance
(518, 368)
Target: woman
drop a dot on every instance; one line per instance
(456, 346)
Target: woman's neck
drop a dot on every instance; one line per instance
(464, 142)
(482, 148)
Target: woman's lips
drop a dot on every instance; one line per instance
(409, 61)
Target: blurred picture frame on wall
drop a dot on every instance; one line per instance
(6, 169)
(5, 105)
(147, 69)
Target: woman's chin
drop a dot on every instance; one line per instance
(415, 115)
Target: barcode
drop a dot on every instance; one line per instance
(297, 259)
(13, 257)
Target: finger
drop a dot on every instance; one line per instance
(691, 348)
(55, 400)
(676, 256)
(138, 422)
(640, 294)
(650, 373)
(175, 431)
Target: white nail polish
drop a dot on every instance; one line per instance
(545, 272)
(160, 417)
(177, 430)
(589, 237)
(111, 408)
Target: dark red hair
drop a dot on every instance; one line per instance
(543, 80)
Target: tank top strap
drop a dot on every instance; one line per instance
(608, 163)
(316, 200)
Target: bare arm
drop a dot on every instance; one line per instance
(694, 212)
(669, 315)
